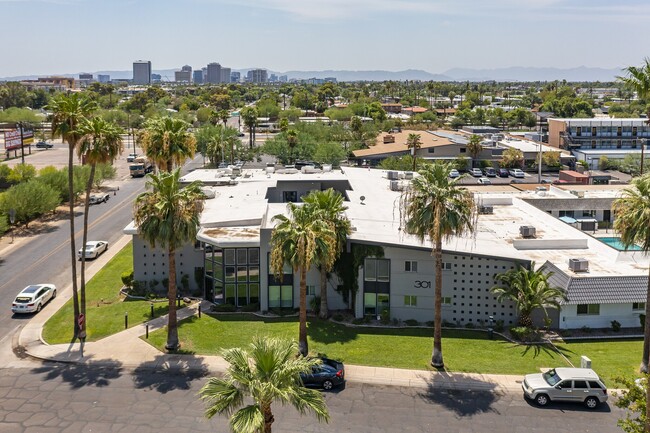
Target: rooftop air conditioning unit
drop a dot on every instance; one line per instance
(579, 265)
(486, 210)
(392, 175)
(527, 231)
(408, 175)
(395, 186)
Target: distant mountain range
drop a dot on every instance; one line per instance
(514, 73)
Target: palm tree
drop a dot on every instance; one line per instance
(529, 289)
(413, 142)
(249, 114)
(632, 221)
(168, 142)
(638, 79)
(299, 240)
(168, 216)
(436, 208)
(474, 147)
(330, 204)
(268, 373)
(100, 142)
(292, 140)
(69, 110)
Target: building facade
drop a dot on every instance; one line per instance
(184, 75)
(225, 75)
(257, 76)
(142, 72)
(213, 73)
(198, 76)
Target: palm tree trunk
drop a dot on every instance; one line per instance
(73, 248)
(172, 323)
(82, 287)
(324, 311)
(436, 357)
(646, 341)
(302, 332)
(268, 418)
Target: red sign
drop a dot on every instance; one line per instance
(80, 320)
(13, 140)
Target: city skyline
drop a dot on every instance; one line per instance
(328, 34)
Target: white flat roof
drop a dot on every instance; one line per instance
(529, 146)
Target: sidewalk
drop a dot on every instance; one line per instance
(127, 350)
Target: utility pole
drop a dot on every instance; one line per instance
(22, 146)
(643, 141)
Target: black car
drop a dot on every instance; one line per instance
(503, 172)
(327, 375)
(44, 145)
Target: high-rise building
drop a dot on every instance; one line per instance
(184, 75)
(257, 76)
(103, 78)
(273, 78)
(225, 75)
(198, 76)
(235, 77)
(85, 79)
(142, 72)
(283, 78)
(156, 78)
(214, 73)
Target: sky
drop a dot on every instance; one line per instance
(44, 37)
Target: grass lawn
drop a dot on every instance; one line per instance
(464, 351)
(610, 358)
(105, 307)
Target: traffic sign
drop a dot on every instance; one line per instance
(80, 320)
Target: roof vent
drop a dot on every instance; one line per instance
(485, 210)
(579, 194)
(527, 231)
(579, 265)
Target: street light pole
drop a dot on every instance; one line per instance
(643, 141)
(12, 219)
(22, 146)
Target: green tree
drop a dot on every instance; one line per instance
(329, 204)
(249, 116)
(292, 140)
(512, 158)
(330, 153)
(633, 399)
(529, 289)
(268, 373)
(435, 208)
(168, 216)
(68, 111)
(474, 147)
(29, 199)
(22, 173)
(100, 143)
(299, 240)
(168, 142)
(414, 142)
(638, 79)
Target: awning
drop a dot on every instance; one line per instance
(568, 220)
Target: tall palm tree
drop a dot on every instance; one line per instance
(330, 204)
(474, 147)
(168, 142)
(632, 211)
(69, 110)
(413, 142)
(638, 79)
(100, 142)
(297, 240)
(168, 216)
(249, 115)
(436, 208)
(268, 373)
(292, 140)
(529, 289)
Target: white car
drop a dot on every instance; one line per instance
(93, 249)
(476, 172)
(454, 173)
(516, 172)
(33, 298)
(99, 198)
(484, 181)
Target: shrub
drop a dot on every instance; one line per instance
(385, 317)
(523, 333)
(469, 325)
(30, 200)
(185, 282)
(586, 329)
(411, 322)
(396, 322)
(127, 279)
(338, 317)
(447, 324)
(564, 333)
(359, 321)
(642, 320)
(255, 306)
(430, 324)
(224, 308)
(314, 304)
(498, 326)
(138, 288)
(616, 326)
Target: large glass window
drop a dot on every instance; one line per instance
(280, 289)
(227, 275)
(376, 286)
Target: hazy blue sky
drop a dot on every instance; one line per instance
(69, 36)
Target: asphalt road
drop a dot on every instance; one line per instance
(53, 398)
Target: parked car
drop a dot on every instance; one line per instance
(131, 157)
(327, 375)
(516, 172)
(581, 385)
(454, 173)
(484, 181)
(99, 198)
(93, 249)
(44, 145)
(503, 172)
(32, 298)
(490, 172)
(240, 134)
(476, 172)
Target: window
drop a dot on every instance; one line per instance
(280, 289)
(589, 213)
(410, 301)
(593, 131)
(619, 131)
(634, 131)
(580, 384)
(638, 305)
(463, 150)
(588, 309)
(593, 144)
(311, 290)
(567, 213)
(446, 266)
(431, 149)
(619, 144)
(410, 266)
(579, 131)
(446, 300)
(594, 385)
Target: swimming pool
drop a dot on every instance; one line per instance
(616, 243)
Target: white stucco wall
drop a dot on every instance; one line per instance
(623, 313)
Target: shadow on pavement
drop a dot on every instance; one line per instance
(91, 373)
(462, 402)
(555, 407)
(167, 373)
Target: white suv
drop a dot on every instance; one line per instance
(581, 385)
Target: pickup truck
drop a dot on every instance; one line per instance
(99, 198)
